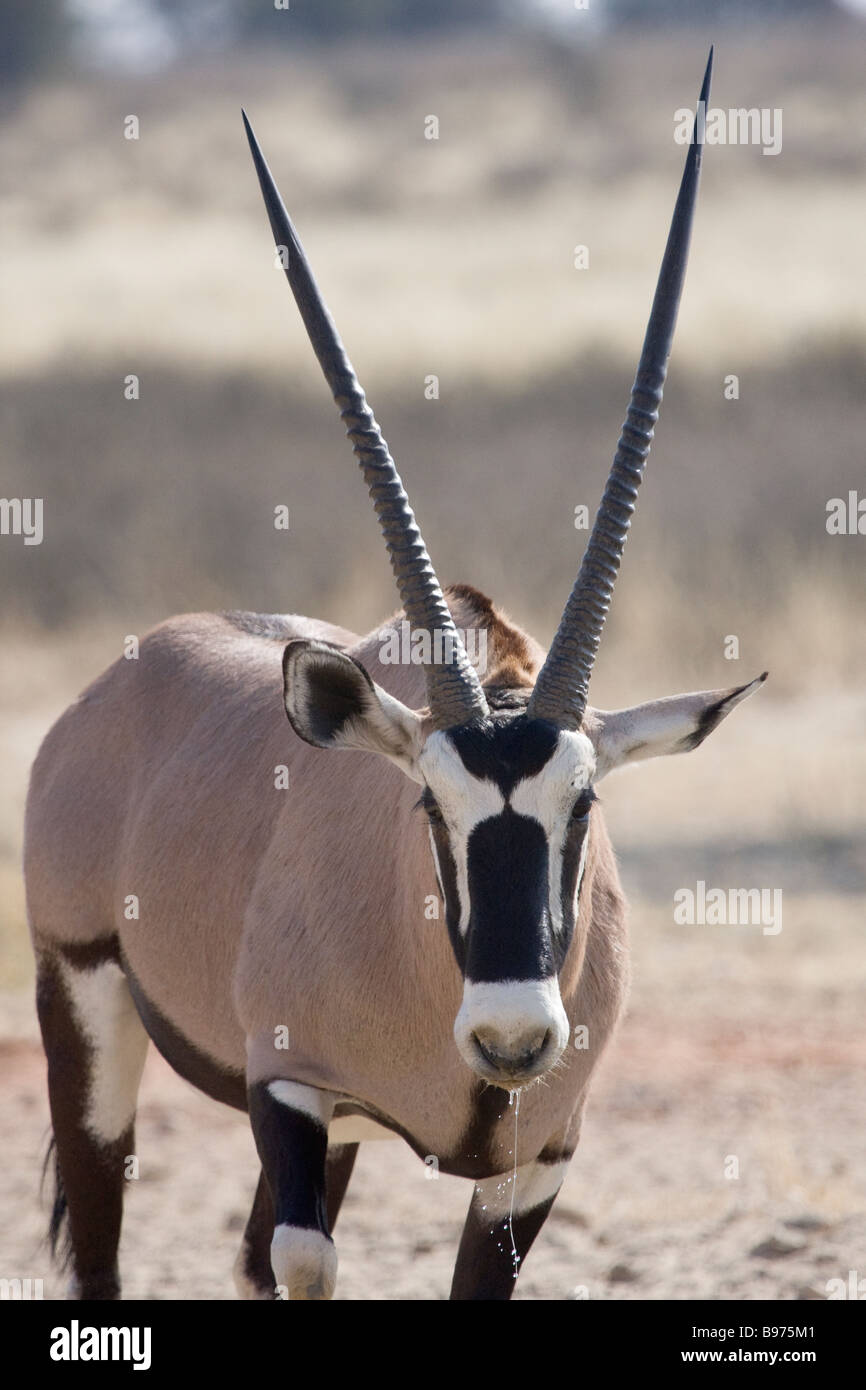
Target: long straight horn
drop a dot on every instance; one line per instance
(453, 689)
(562, 688)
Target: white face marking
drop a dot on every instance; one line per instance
(108, 1019)
(536, 1183)
(510, 1016)
(580, 868)
(436, 864)
(547, 797)
(464, 800)
(318, 1105)
(550, 793)
(304, 1263)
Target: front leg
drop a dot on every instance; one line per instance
(290, 1126)
(254, 1278)
(495, 1243)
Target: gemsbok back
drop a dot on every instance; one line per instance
(279, 953)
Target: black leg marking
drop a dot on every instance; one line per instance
(254, 1277)
(290, 1127)
(485, 1260)
(89, 1172)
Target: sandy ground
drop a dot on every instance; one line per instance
(646, 1211)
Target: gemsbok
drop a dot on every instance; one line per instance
(278, 950)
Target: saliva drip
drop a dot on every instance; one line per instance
(514, 1099)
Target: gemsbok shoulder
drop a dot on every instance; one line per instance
(279, 953)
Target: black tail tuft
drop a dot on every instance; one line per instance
(58, 1227)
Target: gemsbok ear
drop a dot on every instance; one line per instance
(332, 702)
(675, 725)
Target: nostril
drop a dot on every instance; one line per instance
(488, 1053)
(534, 1049)
(514, 1059)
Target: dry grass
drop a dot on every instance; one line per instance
(452, 257)
(465, 242)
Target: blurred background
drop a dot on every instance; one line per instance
(454, 258)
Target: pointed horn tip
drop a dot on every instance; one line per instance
(251, 135)
(678, 238)
(708, 74)
(255, 148)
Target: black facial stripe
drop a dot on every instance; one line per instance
(448, 884)
(574, 840)
(504, 751)
(509, 935)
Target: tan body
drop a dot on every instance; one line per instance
(258, 908)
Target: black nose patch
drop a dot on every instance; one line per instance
(509, 927)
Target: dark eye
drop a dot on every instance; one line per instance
(434, 815)
(581, 808)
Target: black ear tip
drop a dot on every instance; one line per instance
(763, 676)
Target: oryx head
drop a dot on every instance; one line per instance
(508, 786)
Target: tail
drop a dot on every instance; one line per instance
(58, 1225)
